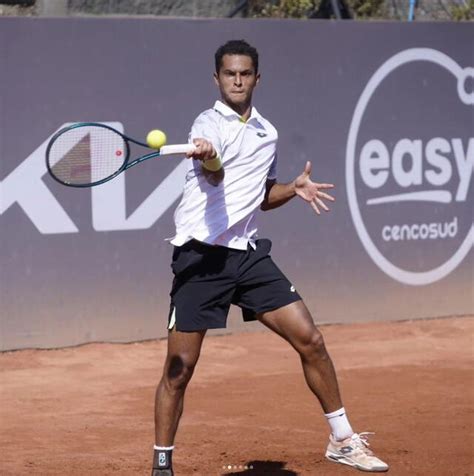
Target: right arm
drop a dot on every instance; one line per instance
(211, 165)
(206, 136)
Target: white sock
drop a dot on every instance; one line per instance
(340, 426)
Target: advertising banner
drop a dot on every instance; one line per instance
(385, 111)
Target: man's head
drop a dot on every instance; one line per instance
(236, 47)
(237, 74)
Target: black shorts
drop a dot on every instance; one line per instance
(208, 279)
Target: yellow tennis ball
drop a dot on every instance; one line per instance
(156, 139)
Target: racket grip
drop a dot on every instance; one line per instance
(177, 149)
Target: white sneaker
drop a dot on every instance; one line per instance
(355, 452)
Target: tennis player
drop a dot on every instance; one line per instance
(218, 260)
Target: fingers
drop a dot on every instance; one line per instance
(315, 208)
(317, 202)
(204, 150)
(326, 196)
(312, 192)
(325, 185)
(321, 204)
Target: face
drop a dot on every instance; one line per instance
(236, 80)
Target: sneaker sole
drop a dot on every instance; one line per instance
(335, 458)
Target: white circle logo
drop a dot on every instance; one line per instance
(413, 176)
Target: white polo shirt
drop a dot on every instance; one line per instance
(225, 214)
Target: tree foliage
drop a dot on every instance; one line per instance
(463, 12)
(282, 8)
(361, 9)
(366, 8)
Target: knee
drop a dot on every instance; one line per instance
(178, 373)
(313, 347)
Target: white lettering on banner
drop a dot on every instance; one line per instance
(434, 150)
(374, 163)
(375, 167)
(465, 163)
(418, 169)
(413, 174)
(422, 231)
(25, 186)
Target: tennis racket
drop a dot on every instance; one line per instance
(90, 153)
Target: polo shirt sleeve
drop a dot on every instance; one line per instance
(272, 173)
(206, 126)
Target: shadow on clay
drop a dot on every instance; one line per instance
(257, 468)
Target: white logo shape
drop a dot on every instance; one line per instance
(25, 186)
(462, 75)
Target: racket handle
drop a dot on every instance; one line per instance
(177, 149)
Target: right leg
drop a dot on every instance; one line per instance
(201, 277)
(183, 353)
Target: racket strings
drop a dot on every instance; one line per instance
(87, 154)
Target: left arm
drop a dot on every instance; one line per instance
(277, 194)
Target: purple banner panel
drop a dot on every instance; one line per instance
(383, 110)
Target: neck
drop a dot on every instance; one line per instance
(243, 110)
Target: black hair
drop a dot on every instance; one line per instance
(236, 47)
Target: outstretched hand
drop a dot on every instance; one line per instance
(312, 192)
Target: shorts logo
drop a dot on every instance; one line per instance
(409, 166)
(292, 289)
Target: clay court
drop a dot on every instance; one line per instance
(88, 410)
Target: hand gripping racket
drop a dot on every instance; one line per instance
(90, 153)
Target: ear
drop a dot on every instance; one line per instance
(216, 79)
(257, 79)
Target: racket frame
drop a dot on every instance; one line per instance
(125, 165)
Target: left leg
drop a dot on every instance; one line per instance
(295, 324)
(263, 286)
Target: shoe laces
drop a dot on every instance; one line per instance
(361, 441)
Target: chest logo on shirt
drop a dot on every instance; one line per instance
(262, 134)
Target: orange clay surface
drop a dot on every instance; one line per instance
(89, 410)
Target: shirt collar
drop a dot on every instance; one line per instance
(226, 111)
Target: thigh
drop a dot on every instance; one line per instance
(293, 322)
(262, 286)
(184, 349)
(202, 288)
(200, 305)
